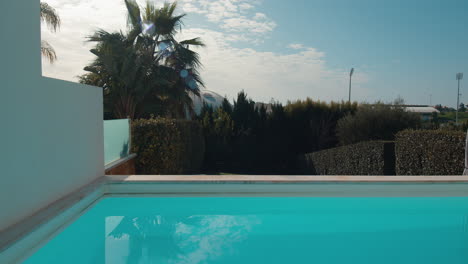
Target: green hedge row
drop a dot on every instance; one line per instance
(430, 152)
(166, 146)
(365, 158)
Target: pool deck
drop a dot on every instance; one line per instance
(38, 227)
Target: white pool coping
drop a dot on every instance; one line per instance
(280, 178)
(18, 241)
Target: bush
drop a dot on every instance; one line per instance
(430, 152)
(165, 146)
(218, 129)
(313, 123)
(365, 158)
(375, 122)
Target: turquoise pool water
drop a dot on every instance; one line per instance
(265, 230)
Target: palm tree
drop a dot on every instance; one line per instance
(122, 73)
(52, 19)
(156, 30)
(146, 68)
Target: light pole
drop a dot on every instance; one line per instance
(459, 78)
(350, 77)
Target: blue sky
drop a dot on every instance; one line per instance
(287, 50)
(411, 48)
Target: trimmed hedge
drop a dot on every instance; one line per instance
(365, 158)
(375, 122)
(166, 146)
(430, 152)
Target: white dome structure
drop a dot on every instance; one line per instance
(208, 97)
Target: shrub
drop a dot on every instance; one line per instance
(365, 158)
(313, 123)
(218, 129)
(165, 146)
(375, 122)
(430, 152)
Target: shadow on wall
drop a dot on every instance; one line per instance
(125, 150)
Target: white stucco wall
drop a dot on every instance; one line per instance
(51, 131)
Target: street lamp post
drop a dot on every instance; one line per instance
(459, 78)
(350, 77)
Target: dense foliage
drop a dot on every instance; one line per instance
(314, 123)
(430, 152)
(364, 158)
(145, 71)
(266, 139)
(166, 146)
(375, 122)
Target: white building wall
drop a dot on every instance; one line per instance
(51, 131)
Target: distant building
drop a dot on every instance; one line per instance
(206, 97)
(426, 112)
(268, 107)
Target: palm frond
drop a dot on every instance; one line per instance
(133, 16)
(193, 42)
(48, 52)
(185, 57)
(101, 35)
(171, 8)
(163, 19)
(150, 11)
(50, 17)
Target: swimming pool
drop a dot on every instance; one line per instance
(264, 230)
(230, 220)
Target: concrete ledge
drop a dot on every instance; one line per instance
(279, 179)
(125, 165)
(286, 186)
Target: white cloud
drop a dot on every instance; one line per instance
(79, 19)
(242, 24)
(227, 69)
(234, 16)
(296, 46)
(245, 6)
(266, 75)
(260, 16)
